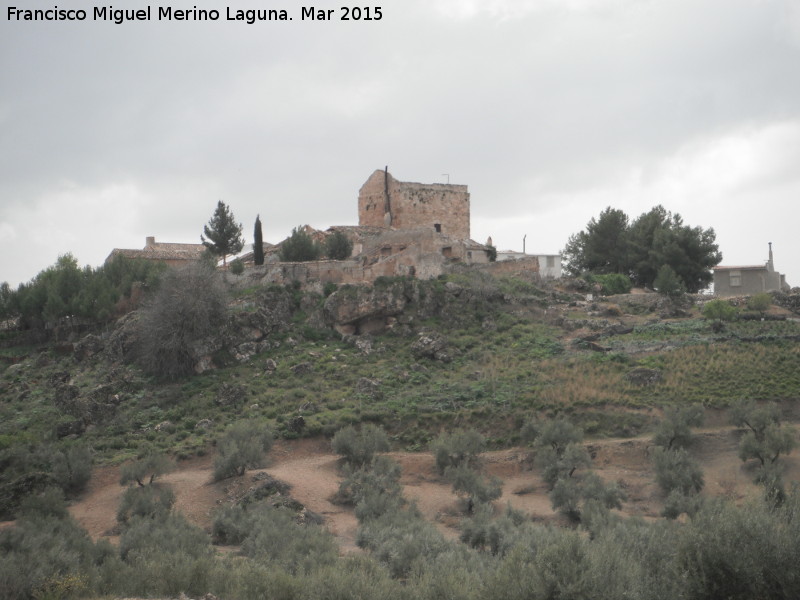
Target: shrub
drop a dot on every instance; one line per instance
(44, 556)
(338, 246)
(189, 306)
(231, 525)
(170, 533)
(47, 503)
(237, 266)
(299, 247)
(375, 488)
(719, 310)
(612, 283)
(668, 283)
(152, 501)
(759, 302)
(359, 447)
(72, 468)
(243, 446)
(298, 548)
(674, 430)
(149, 467)
(677, 470)
(401, 540)
(472, 487)
(460, 448)
(572, 497)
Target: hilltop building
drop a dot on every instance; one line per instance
(168, 253)
(749, 279)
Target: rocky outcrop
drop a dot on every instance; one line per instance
(356, 310)
(432, 346)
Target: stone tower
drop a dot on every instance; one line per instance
(384, 201)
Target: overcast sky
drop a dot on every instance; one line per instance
(549, 110)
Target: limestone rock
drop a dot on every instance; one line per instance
(432, 346)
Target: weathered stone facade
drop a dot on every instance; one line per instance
(168, 253)
(384, 201)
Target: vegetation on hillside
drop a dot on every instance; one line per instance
(469, 363)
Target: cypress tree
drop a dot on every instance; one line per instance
(258, 244)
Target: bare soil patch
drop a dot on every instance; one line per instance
(311, 470)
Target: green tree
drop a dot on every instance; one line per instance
(299, 247)
(601, 248)
(639, 249)
(667, 283)
(242, 446)
(674, 430)
(360, 447)
(457, 448)
(719, 311)
(759, 302)
(338, 246)
(258, 243)
(151, 466)
(189, 305)
(223, 233)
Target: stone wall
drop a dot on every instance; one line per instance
(440, 207)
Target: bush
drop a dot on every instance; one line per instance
(677, 470)
(759, 302)
(243, 446)
(152, 501)
(359, 447)
(372, 489)
(148, 468)
(48, 557)
(338, 246)
(473, 488)
(674, 430)
(165, 533)
(72, 468)
(237, 266)
(668, 283)
(299, 247)
(189, 306)
(612, 283)
(573, 497)
(401, 540)
(47, 503)
(719, 310)
(298, 548)
(231, 525)
(460, 448)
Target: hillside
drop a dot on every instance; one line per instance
(417, 358)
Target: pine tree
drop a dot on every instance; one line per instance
(258, 243)
(224, 235)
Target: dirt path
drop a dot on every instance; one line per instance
(312, 472)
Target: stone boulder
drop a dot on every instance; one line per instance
(643, 376)
(433, 346)
(230, 395)
(88, 347)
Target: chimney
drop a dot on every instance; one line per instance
(149, 241)
(770, 264)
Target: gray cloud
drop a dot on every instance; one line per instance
(548, 110)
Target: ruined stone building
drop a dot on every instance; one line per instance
(749, 279)
(383, 201)
(168, 253)
(404, 229)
